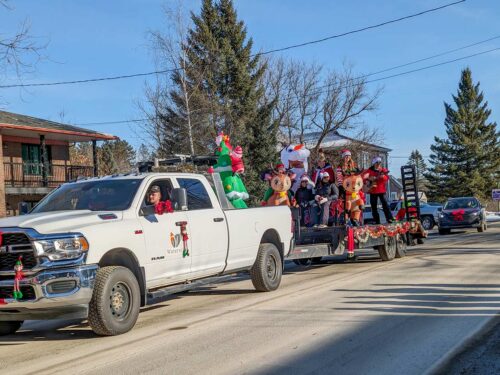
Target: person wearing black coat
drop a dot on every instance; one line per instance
(325, 192)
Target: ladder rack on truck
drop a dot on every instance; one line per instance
(390, 240)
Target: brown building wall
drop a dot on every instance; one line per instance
(2, 183)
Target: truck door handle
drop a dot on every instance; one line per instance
(218, 219)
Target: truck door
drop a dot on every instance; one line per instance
(209, 236)
(167, 260)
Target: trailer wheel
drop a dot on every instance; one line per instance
(400, 246)
(116, 300)
(388, 250)
(267, 269)
(10, 327)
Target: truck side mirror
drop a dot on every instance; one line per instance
(179, 199)
(147, 210)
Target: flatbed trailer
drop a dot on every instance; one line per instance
(390, 240)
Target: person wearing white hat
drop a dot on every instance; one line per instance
(378, 177)
(325, 193)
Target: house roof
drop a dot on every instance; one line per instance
(336, 140)
(16, 124)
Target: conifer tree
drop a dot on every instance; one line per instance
(417, 160)
(227, 81)
(467, 161)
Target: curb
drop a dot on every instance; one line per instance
(445, 361)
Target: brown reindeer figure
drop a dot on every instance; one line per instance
(280, 183)
(353, 202)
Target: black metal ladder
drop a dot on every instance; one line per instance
(410, 192)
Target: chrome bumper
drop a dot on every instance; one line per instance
(72, 304)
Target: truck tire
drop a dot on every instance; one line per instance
(115, 302)
(10, 327)
(401, 245)
(388, 250)
(267, 269)
(427, 222)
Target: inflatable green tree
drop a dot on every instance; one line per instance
(234, 187)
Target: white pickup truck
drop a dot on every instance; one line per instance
(95, 249)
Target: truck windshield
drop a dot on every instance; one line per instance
(99, 195)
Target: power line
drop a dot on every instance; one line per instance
(361, 29)
(347, 86)
(256, 54)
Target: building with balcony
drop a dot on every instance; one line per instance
(36, 158)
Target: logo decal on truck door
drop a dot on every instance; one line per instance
(175, 239)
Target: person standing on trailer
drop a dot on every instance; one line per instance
(322, 165)
(378, 176)
(346, 168)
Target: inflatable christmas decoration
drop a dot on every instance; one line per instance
(229, 165)
(280, 183)
(294, 158)
(19, 275)
(353, 201)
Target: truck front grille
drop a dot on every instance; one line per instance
(13, 246)
(8, 291)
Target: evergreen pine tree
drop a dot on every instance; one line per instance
(226, 82)
(417, 160)
(467, 162)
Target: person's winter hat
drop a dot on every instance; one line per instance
(155, 189)
(280, 167)
(324, 174)
(376, 159)
(238, 152)
(346, 153)
(305, 178)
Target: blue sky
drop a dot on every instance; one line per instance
(90, 39)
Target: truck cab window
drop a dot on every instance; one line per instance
(198, 198)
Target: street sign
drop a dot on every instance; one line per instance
(495, 194)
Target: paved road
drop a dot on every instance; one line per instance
(371, 317)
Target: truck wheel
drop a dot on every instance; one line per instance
(10, 327)
(388, 250)
(400, 246)
(115, 302)
(267, 269)
(427, 222)
(482, 228)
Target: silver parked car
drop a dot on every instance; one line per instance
(429, 214)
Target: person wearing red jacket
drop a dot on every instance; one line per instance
(378, 178)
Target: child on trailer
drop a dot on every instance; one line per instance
(324, 194)
(305, 198)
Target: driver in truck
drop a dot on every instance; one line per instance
(154, 195)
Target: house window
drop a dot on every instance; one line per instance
(32, 159)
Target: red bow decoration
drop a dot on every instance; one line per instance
(163, 207)
(1, 238)
(458, 215)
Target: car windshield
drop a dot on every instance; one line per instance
(454, 204)
(98, 195)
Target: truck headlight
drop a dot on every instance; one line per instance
(475, 213)
(441, 216)
(62, 248)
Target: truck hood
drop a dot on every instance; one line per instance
(60, 221)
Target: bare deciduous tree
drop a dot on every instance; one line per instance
(19, 52)
(309, 100)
